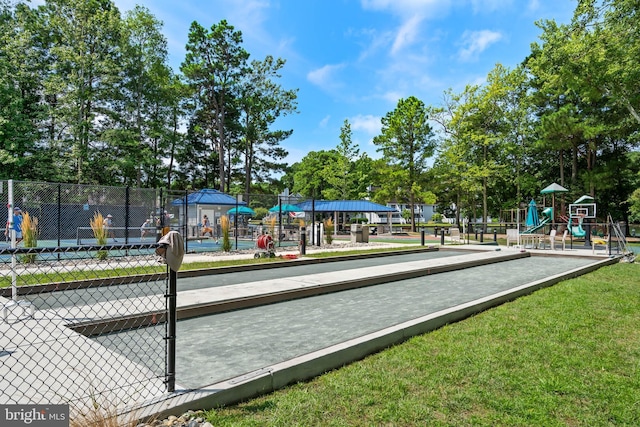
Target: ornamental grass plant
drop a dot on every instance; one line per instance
(272, 225)
(328, 230)
(30, 233)
(225, 225)
(100, 233)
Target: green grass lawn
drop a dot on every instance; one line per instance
(568, 355)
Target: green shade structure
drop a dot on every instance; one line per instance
(553, 189)
(285, 208)
(241, 210)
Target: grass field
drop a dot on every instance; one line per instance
(568, 355)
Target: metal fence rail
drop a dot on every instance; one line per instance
(83, 325)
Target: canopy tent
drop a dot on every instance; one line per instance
(532, 215)
(241, 210)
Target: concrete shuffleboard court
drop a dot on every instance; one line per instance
(227, 354)
(245, 333)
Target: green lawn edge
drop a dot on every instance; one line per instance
(568, 355)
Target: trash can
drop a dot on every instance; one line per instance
(356, 233)
(365, 234)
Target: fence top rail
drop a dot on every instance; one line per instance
(79, 248)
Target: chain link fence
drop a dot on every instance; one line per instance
(61, 215)
(84, 325)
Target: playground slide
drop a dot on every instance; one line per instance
(535, 228)
(577, 231)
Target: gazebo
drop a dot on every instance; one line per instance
(342, 206)
(207, 201)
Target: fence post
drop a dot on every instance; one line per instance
(303, 241)
(126, 214)
(172, 295)
(235, 223)
(279, 221)
(186, 221)
(313, 221)
(59, 224)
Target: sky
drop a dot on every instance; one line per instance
(354, 59)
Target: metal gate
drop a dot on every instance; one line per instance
(84, 325)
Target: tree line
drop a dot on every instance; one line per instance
(87, 96)
(568, 113)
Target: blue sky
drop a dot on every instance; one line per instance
(354, 59)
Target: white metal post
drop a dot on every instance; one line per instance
(12, 233)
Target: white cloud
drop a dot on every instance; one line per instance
(367, 123)
(325, 76)
(407, 33)
(533, 5)
(483, 6)
(412, 13)
(407, 8)
(475, 42)
(325, 120)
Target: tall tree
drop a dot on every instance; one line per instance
(213, 67)
(262, 102)
(342, 174)
(85, 44)
(406, 142)
(141, 110)
(311, 177)
(610, 49)
(21, 72)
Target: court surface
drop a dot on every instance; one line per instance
(216, 347)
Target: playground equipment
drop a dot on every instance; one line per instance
(266, 247)
(578, 212)
(577, 230)
(547, 215)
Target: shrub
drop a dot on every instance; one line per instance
(260, 212)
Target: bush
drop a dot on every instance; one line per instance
(29, 228)
(260, 212)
